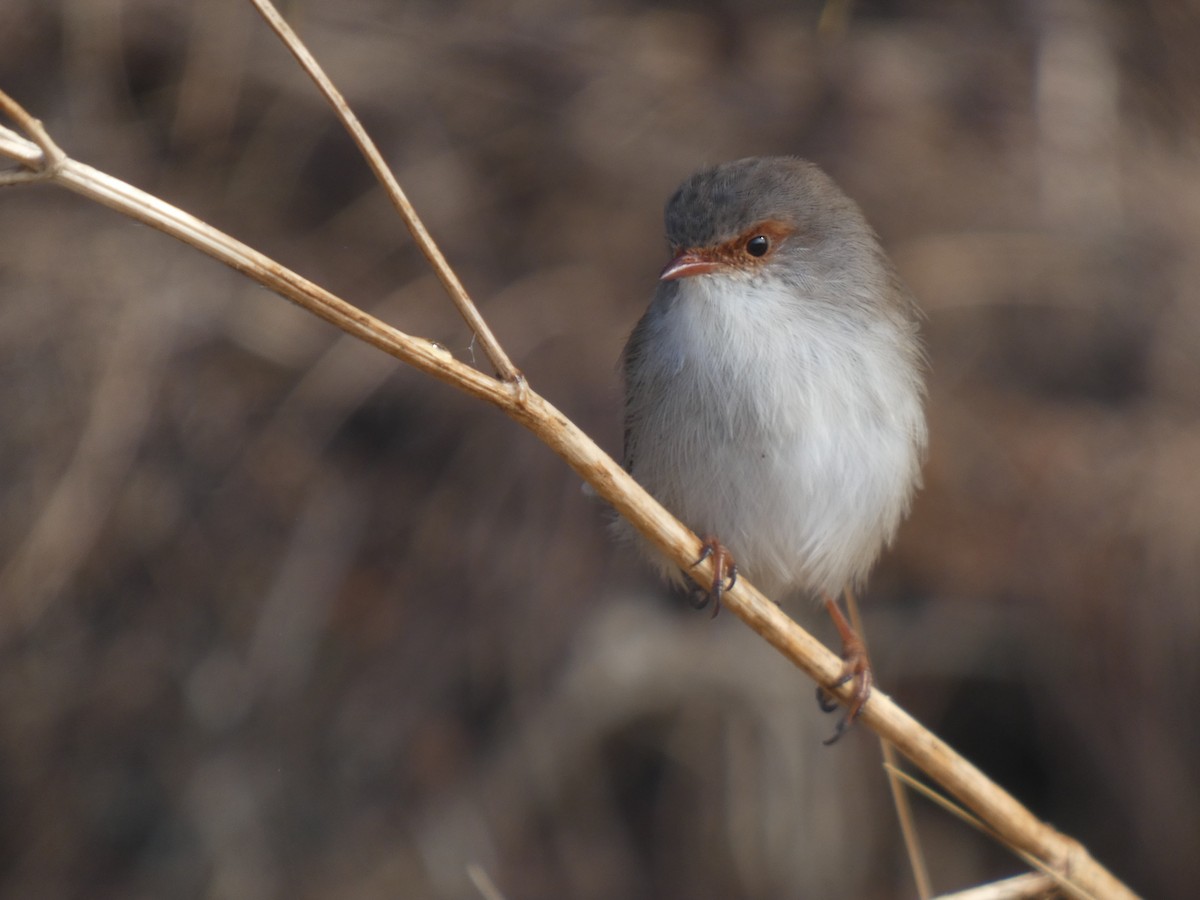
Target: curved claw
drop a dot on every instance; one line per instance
(826, 702)
(856, 669)
(724, 573)
(863, 680)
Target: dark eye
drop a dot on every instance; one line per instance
(758, 245)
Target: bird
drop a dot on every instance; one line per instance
(775, 389)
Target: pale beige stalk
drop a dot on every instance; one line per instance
(1070, 863)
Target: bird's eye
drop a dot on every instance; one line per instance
(758, 245)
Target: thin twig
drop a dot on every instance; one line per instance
(1059, 853)
(1029, 886)
(500, 362)
(39, 162)
(904, 814)
(1060, 880)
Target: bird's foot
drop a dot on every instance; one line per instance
(856, 670)
(724, 574)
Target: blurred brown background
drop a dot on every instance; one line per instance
(280, 618)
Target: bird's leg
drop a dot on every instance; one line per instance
(856, 668)
(724, 573)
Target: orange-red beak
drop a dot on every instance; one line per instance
(688, 263)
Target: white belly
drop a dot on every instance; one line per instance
(794, 440)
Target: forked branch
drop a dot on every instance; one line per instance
(38, 158)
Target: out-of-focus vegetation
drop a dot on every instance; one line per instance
(279, 618)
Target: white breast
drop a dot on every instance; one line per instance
(790, 430)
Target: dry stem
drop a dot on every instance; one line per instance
(449, 278)
(1030, 886)
(1070, 863)
(900, 799)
